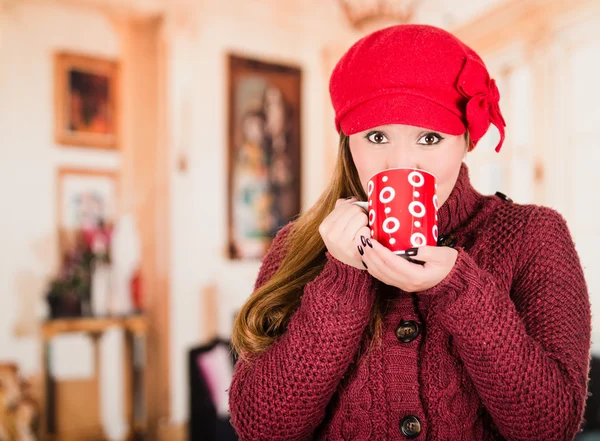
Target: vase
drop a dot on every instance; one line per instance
(64, 305)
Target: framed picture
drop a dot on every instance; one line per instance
(86, 98)
(87, 202)
(264, 153)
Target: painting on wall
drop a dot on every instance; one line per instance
(264, 153)
(87, 204)
(86, 101)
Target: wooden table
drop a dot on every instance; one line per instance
(135, 330)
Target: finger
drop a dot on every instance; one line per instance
(431, 255)
(343, 201)
(376, 273)
(415, 261)
(342, 222)
(341, 207)
(374, 260)
(359, 240)
(365, 232)
(392, 266)
(361, 205)
(358, 220)
(389, 258)
(327, 227)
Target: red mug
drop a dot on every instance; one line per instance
(403, 208)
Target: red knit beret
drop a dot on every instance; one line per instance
(417, 75)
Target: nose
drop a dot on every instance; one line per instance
(402, 156)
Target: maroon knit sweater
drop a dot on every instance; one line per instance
(502, 353)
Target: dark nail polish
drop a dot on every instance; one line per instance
(365, 265)
(412, 252)
(369, 243)
(363, 240)
(418, 262)
(360, 250)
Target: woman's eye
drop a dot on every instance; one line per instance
(377, 138)
(429, 139)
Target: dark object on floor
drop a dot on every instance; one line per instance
(205, 424)
(592, 409)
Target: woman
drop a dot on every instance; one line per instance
(485, 337)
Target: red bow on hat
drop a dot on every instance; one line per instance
(482, 108)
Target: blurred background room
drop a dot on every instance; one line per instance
(150, 149)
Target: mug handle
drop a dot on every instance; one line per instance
(363, 205)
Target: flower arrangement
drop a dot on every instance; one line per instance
(69, 294)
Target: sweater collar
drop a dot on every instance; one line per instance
(461, 204)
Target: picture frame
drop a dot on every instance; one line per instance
(86, 101)
(264, 153)
(87, 201)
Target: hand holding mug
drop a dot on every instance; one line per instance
(436, 264)
(341, 231)
(403, 221)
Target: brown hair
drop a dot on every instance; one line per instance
(265, 315)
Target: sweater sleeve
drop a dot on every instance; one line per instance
(527, 352)
(282, 393)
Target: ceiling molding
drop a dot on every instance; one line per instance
(143, 9)
(7, 5)
(528, 21)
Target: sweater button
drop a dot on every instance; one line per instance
(407, 331)
(446, 241)
(410, 426)
(503, 197)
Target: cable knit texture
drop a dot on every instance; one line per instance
(503, 352)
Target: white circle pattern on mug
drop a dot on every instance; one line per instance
(413, 206)
(371, 217)
(386, 199)
(434, 231)
(394, 228)
(418, 239)
(435, 202)
(370, 187)
(420, 179)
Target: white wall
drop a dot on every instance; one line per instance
(29, 158)
(451, 14)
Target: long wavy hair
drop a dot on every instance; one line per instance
(266, 314)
